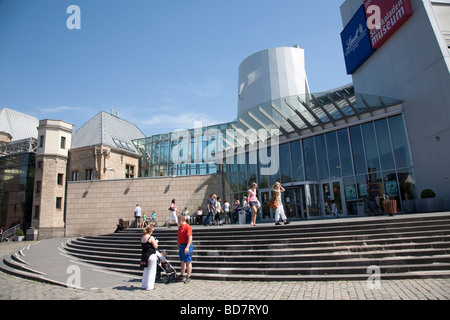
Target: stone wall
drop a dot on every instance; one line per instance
(94, 207)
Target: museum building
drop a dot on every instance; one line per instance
(384, 136)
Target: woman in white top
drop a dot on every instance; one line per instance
(253, 202)
(226, 210)
(173, 213)
(277, 189)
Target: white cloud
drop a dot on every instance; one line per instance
(165, 122)
(60, 109)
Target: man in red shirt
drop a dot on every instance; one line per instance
(185, 247)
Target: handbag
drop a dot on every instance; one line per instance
(273, 203)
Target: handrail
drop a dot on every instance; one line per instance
(8, 233)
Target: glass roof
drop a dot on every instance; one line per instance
(296, 113)
(292, 114)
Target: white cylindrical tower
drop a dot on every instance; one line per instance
(271, 74)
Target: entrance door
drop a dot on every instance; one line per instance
(290, 201)
(265, 209)
(294, 202)
(332, 190)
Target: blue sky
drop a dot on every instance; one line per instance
(160, 64)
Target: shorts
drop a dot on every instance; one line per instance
(253, 203)
(183, 256)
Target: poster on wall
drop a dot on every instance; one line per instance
(350, 193)
(390, 188)
(363, 190)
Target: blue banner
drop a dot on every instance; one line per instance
(356, 41)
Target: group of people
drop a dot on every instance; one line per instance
(250, 204)
(149, 244)
(141, 218)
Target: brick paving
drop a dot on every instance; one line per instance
(15, 288)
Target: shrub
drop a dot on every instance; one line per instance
(19, 232)
(427, 193)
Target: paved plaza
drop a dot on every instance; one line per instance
(15, 288)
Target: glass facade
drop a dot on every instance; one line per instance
(316, 168)
(16, 189)
(337, 166)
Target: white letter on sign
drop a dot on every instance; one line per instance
(373, 21)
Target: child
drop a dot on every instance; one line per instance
(334, 208)
(153, 221)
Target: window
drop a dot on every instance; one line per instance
(309, 153)
(345, 152)
(384, 144)
(58, 203)
(321, 154)
(40, 164)
(285, 163)
(358, 150)
(36, 211)
(60, 179)
(370, 145)
(41, 141)
(38, 186)
(297, 161)
(89, 174)
(333, 155)
(399, 142)
(75, 176)
(63, 142)
(129, 171)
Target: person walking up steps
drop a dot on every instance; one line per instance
(173, 213)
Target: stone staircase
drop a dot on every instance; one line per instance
(404, 246)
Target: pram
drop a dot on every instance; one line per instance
(374, 209)
(166, 267)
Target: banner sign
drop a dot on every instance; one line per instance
(371, 26)
(392, 14)
(356, 41)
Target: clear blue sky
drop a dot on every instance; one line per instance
(160, 64)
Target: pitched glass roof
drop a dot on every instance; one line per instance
(296, 113)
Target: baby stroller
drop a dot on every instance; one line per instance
(165, 266)
(374, 209)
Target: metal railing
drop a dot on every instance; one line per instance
(10, 232)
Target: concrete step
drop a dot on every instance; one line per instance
(402, 247)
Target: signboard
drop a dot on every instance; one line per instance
(356, 41)
(371, 26)
(391, 15)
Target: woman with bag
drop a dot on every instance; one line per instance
(148, 258)
(173, 213)
(277, 189)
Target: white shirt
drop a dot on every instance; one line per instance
(137, 211)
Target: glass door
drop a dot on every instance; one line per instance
(332, 191)
(264, 198)
(291, 203)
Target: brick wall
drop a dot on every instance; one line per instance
(94, 207)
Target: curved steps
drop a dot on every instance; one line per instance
(412, 246)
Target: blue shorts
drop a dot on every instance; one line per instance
(183, 256)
